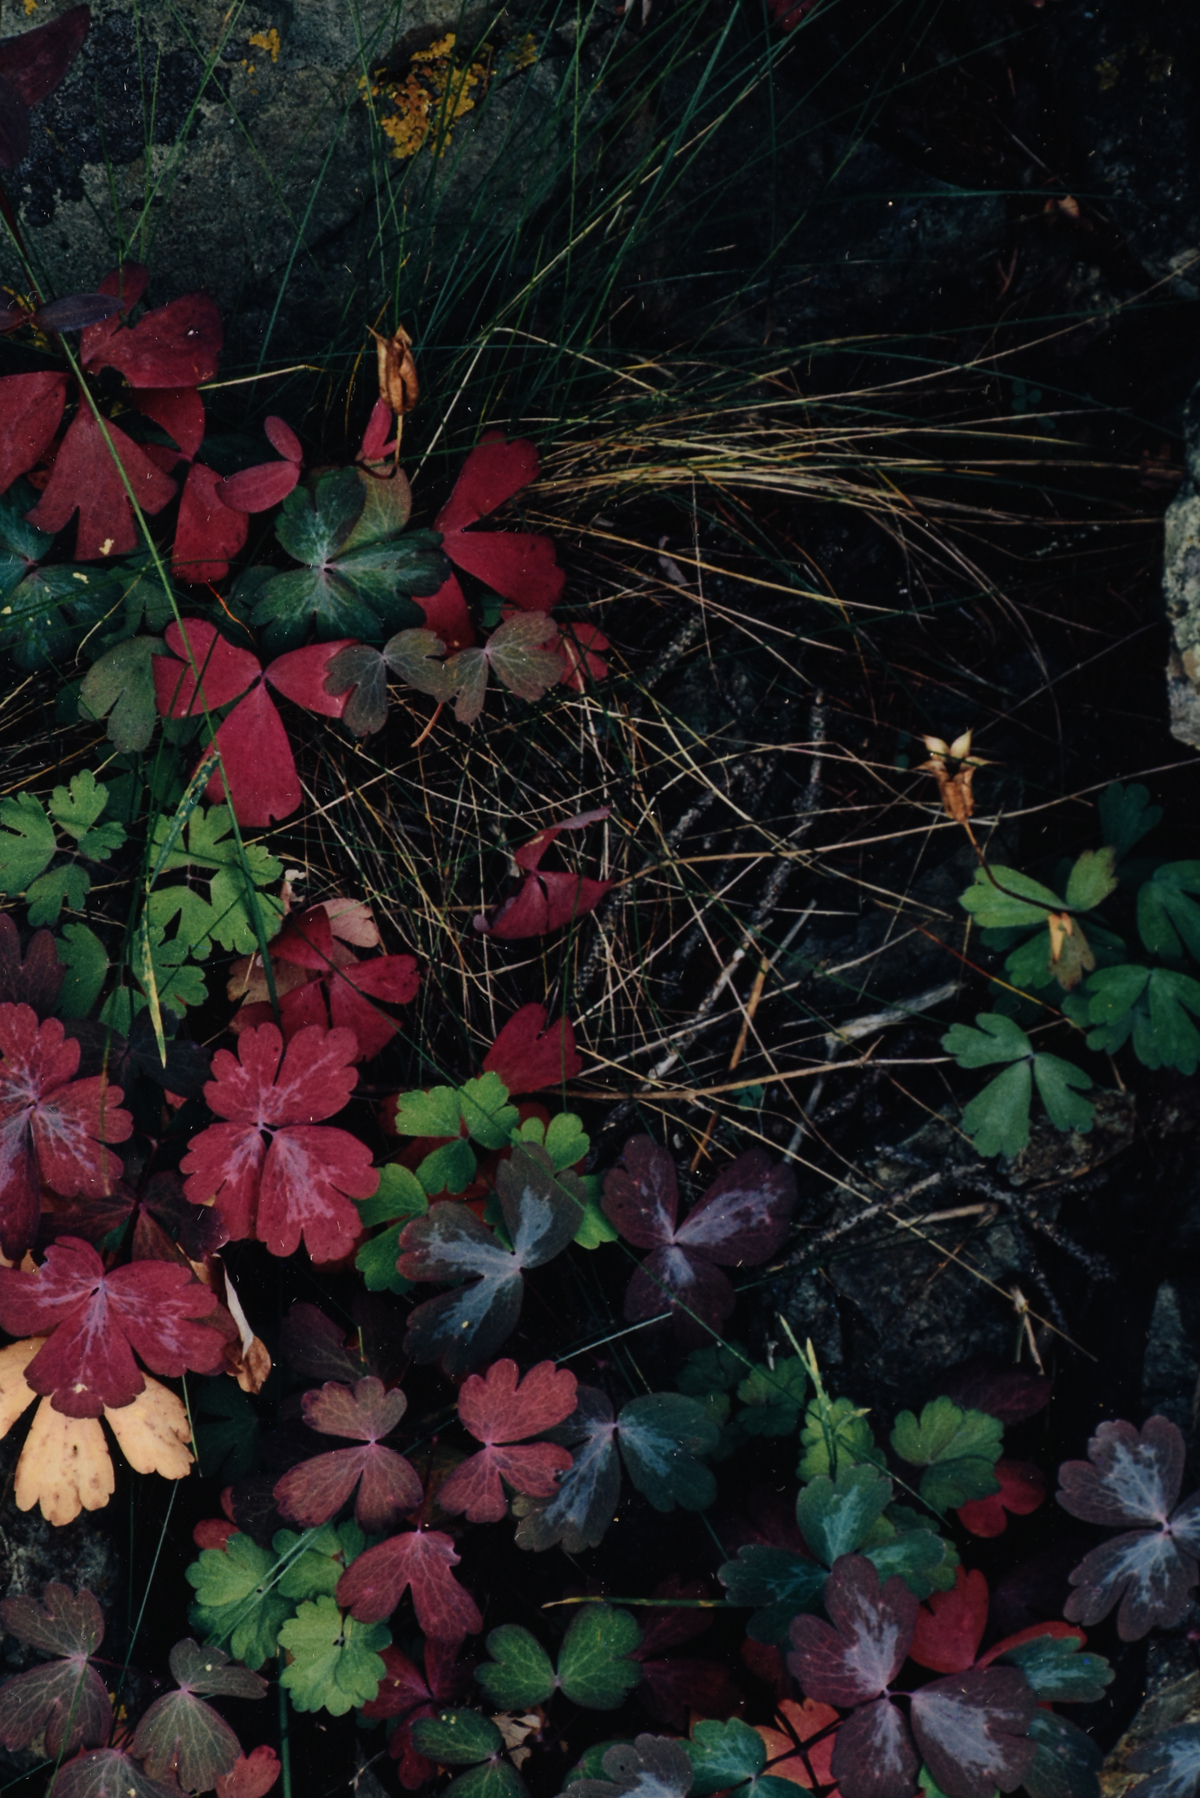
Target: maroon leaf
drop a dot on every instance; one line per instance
(107, 1773)
(86, 478)
(53, 1128)
(207, 532)
(302, 1179)
(31, 407)
(519, 567)
(283, 438)
(313, 1491)
(741, 1220)
(985, 1383)
(1128, 1478)
(950, 1625)
(76, 310)
(259, 488)
(34, 981)
(177, 345)
(251, 1776)
(315, 1347)
(448, 617)
(179, 410)
(581, 646)
(419, 1561)
(407, 1693)
(546, 901)
(15, 126)
(531, 1053)
(180, 1735)
(857, 1655)
(677, 1687)
(873, 1755)
(66, 1701)
(972, 1730)
(586, 1502)
(36, 61)
(95, 1320)
(1146, 1571)
(499, 1412)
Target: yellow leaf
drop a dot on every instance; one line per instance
(152, 1433)
(65, 1466)
(16, 1394)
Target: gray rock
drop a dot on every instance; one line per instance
(1171, 1367)
(1181, 588)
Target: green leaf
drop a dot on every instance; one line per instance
(317, 1561)
(836, 1516)
(233, 1602)
(226, 1427)
(1067, 1763)
(489, 1118)
(490, 1779)
(75, 809)
(594, 1228)
(1168, 917)
(924, 1561)
(774, 1397)
(777, 1583)
(837, 1433)
(335, 1663)
(194, 914)
(515, 654)
(450, 1168)
(715, 1368)
(457, 1737)
(1024, 901)
(398, 1197)
(1091, 879)
(435, 1113)
(520, 1673)
(997, 1119)
(66, 885)
(724, 1755)
(996, 1039)
(958, 1449)
(1059, 1083)
(45, 610)
(661, 1435)
(1028, 965)
(1058, 1670)
(566, 1140)
(387, 507)
(1176, 1041)
(26, 842)
(211, 848)
(1126, 815)
(1111, 992)
(179, 983)
(87, 967)
(593, 1665)
(413, 656)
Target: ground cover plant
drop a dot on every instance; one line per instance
(466, 923)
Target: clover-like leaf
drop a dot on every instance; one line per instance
(973, 1730)
(777, 1582)
(180, 1735)
(648, 1767)
(773, 1397)
(107, 1773)
(64, 1701)
(398, 1198)
(236, 1600)
(1168, 914)
(724, 1755)
(997, 1038)
(335, 1662)
(459, 1737)
(1091, 879)
(958, 1450)
(1066, 1761)
(854, 1658)
(1001, 898)
(520, 655)
(499, 1412)
(593, 1671)
(419, 1561)
(1052, 1658)
(836, 1516)
(387, 1485)
(836, 1435)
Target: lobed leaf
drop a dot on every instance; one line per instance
(836, 1516)
(1066, 1761)
(854, 1658)
(959, 1450)
(648, 1767)
(777, 1583)
(335, 1662)
(973, 1730)
(1172, 1759)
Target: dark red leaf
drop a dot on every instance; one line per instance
(666, 1629)
(258, 771)
(36, 61)
(972, 1730)
(641, 1197)
(985, 1383)
(128, 284)
(446, 614)
(517, 566)
(545, 902)
(313, 1491)
(303, 1180)
(31, 407)
(76, 310)
(676, 1688)
(494, 471)
(283, 439)
(581, 645)
(530, 1053)
(87, 479)
(315, 1347)
(1128, 1478)
(300, 675)
(1149, 1572)
(375, 443)
(36, 980)
(95, 1320)
(743, 1217)
(873, 1755)
(15, 126)
(65, 1701)
(251, 1775)
(500, 1412)
(356, 986)
(419, 1561)
(259, 488)
(53, 1128)
(207, 533)
(858, 1654)
(1022, 1489)
(224, 671)
(177, 345)
(950, 1625)
(180, 412)
(529, 856)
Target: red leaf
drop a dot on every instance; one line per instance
(581, 645)
(307, 940)
(177, 345)
(375, 438)
(36, 61)
(95, 1320)
(224, 670)
(950, 1625)
(52, 1127)
(529, 856)
(31, 407)
(419, 1560)
(180, 412)
(672, 1689)
(545, 902)
(86, 478)
(303, 1182)
(300, 675)
(446, 613)
(213, 1532)
(283, 438)
(1022, 1489)
(492, 473)
(34, 981)
(354, 987)
(517, 566)
(207, 533)
(258, 769)
(251, 1775)
(257, 489)
(126, 283)
(499, 1412)
(530, 1053)
(314, 1490)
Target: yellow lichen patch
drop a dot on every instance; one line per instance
(434, 92)
(65, 1466)
(31, 7)
(266, 40)
(152, 1433)
(520, 54)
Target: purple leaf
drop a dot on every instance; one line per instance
(1172, 1758)
(872, 1627)
(181, 1736)
(649, 1767)
(1146, 1571)
(873, 1755)
(66, 1700)
(586, 1500)
(107, 1773)
(76, 311)
(985, 1383)
(313, 1345)
(1127, 1478)
(972, 1729)
(36, 61)
(312, 1492)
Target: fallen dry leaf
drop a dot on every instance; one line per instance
(65, 1466)
(153, 1432)
(953, 767)
(16, 1394)
(398, 383)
